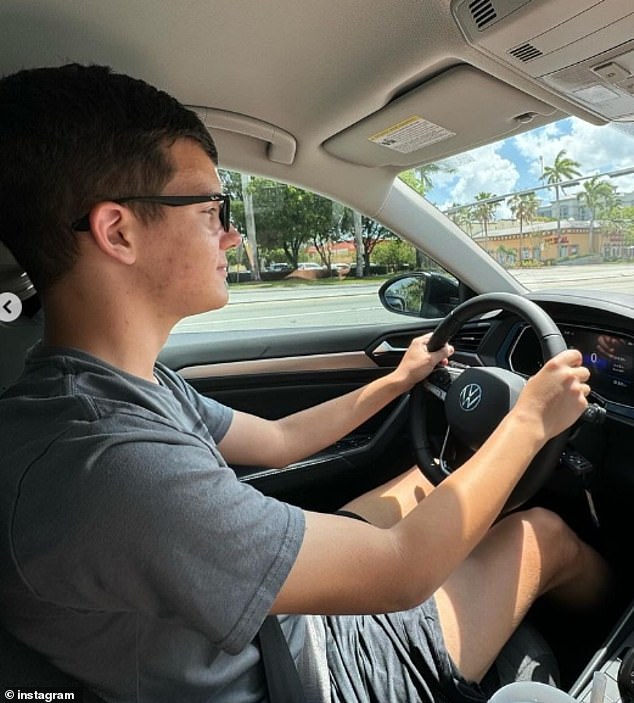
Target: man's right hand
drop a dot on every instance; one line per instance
(556, 396)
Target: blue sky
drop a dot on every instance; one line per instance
(514, 163)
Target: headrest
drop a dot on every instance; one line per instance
(13, 278)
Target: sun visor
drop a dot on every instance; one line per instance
(441, 117)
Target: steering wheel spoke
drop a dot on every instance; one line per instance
(439, 380)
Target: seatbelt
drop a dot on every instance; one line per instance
(280, 672)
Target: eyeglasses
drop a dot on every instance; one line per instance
(83, 223)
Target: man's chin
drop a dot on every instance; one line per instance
(218, 302)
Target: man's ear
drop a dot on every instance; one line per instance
(113, 228)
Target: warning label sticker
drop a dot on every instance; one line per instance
(411, 134)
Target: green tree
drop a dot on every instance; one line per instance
(394, 254)
(372, 233)
(562, 169)
(483, 212)
(288, 217)
(463, 218)
(420, 178)
(598, 196)
(369, 235)
(627, 225)
(329, 229)
(524, 208)
(623, 219)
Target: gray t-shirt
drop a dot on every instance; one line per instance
(131, 554)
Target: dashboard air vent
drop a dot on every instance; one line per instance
(483, 12)
(526, 52)
(468, 340)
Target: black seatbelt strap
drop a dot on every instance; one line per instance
(280, 672)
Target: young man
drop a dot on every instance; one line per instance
(131, 554)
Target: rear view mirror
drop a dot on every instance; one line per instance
(425, 294)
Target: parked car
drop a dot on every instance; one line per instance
(309, 266)
(474, 104)
(279, 267)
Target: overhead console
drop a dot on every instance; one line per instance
(581, 49)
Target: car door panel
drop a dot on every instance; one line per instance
(275, 374)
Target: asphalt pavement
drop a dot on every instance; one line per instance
(268, 306)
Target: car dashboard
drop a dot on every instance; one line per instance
(599, 325)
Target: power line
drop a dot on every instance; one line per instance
(527, 191)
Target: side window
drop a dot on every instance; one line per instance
(304, 261)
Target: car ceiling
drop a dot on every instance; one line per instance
(320, 77)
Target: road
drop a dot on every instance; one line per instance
(264, 307)
(613, 277)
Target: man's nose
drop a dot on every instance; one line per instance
(231, 239)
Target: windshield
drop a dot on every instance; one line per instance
(554, 206)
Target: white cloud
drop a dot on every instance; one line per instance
(486, 171)
(597, 149)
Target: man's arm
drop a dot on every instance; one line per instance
(277, 443)
(401, 566)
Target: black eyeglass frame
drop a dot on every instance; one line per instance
(83, 223)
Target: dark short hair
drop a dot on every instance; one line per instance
(71, 136)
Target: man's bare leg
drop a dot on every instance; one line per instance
(525, 555)
(385, 505)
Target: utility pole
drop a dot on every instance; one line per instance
(358, 238)
(252, 252)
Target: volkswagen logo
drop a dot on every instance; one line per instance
(470, 397)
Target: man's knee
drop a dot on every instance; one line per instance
(547, 532)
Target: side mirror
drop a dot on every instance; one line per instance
(425, 294)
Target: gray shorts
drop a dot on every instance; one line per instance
(396, 658)
(401, 658)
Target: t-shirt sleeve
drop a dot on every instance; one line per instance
(216, 416)
(165, 530)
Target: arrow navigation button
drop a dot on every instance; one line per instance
(10, 307)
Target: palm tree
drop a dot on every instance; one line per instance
(596, 195)
(484, 213)
(562, 169)
(524, 208)
(420, 178)
(462, 217)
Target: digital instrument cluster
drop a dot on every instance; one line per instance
(608, 355)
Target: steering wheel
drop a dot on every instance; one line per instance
(477, 398)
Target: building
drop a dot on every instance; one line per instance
(573, 209)
(543, 243)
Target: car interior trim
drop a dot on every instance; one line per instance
(316, 362)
